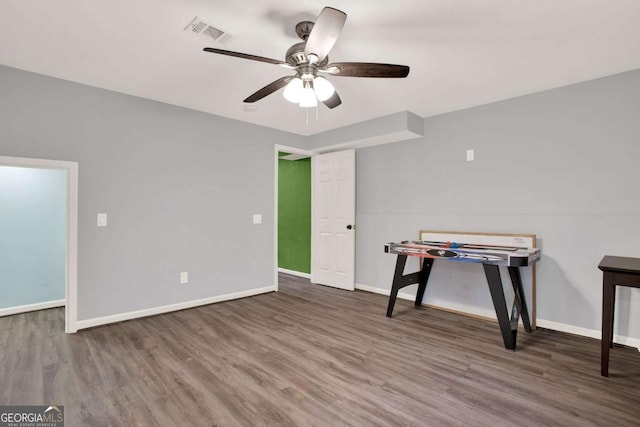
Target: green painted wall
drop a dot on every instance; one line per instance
(294, 215)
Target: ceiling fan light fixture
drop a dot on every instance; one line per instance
(323, 88)
(308, 97)
(310, 57)
(293, 91)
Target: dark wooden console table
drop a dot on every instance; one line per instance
(617, 271)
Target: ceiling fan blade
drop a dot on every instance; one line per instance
(333, 101)
(366, 69)
(247, 56)
(324, 33)
(269, 89)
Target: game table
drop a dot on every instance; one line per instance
(492, 257)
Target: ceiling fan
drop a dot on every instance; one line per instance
(309, 60)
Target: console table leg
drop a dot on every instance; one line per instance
(613, 304)
(608, 298)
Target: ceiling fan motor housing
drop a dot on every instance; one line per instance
(295, 56)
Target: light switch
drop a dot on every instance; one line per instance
(470, 155)
(257, 218)
(102, 220)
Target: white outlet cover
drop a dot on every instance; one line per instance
(102, 220)
(257, 218)
(184, 277)
(470, 155)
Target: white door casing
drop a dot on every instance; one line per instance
(333, 207)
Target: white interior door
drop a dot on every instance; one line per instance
(333, 211)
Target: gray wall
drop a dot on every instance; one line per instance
(180, 188)
(561, 164)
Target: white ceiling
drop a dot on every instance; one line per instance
(461, 52)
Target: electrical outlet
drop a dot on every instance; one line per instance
(184, 278)
(257, 218)
(102, 220)
(470, 155)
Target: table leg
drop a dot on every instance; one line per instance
(500, 304)
(608, 299)
(427, 263)
(397, 283)
(613, 314)
(520, 298)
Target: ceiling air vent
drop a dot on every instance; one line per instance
(207, 31)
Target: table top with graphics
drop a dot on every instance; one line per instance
(464, 252)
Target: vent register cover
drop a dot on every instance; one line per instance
(207, 31)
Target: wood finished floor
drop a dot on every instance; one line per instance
(311, 355)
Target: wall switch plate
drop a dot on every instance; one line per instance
(102, 220)
(184, 277)
(470, 155)
(257, 218)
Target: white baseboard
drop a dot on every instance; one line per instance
(98, 321)
(556, 326)
(31, 307)
(294, 273)
(591, 333)
(373, 289)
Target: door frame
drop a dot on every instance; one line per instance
(292, 150)
(71, 255)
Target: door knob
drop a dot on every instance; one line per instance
(349, 227)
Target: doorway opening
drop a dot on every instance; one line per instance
(292, 212)
(294, 215)
(328, 223)
(19, 175)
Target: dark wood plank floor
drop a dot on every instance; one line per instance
(311, 355)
